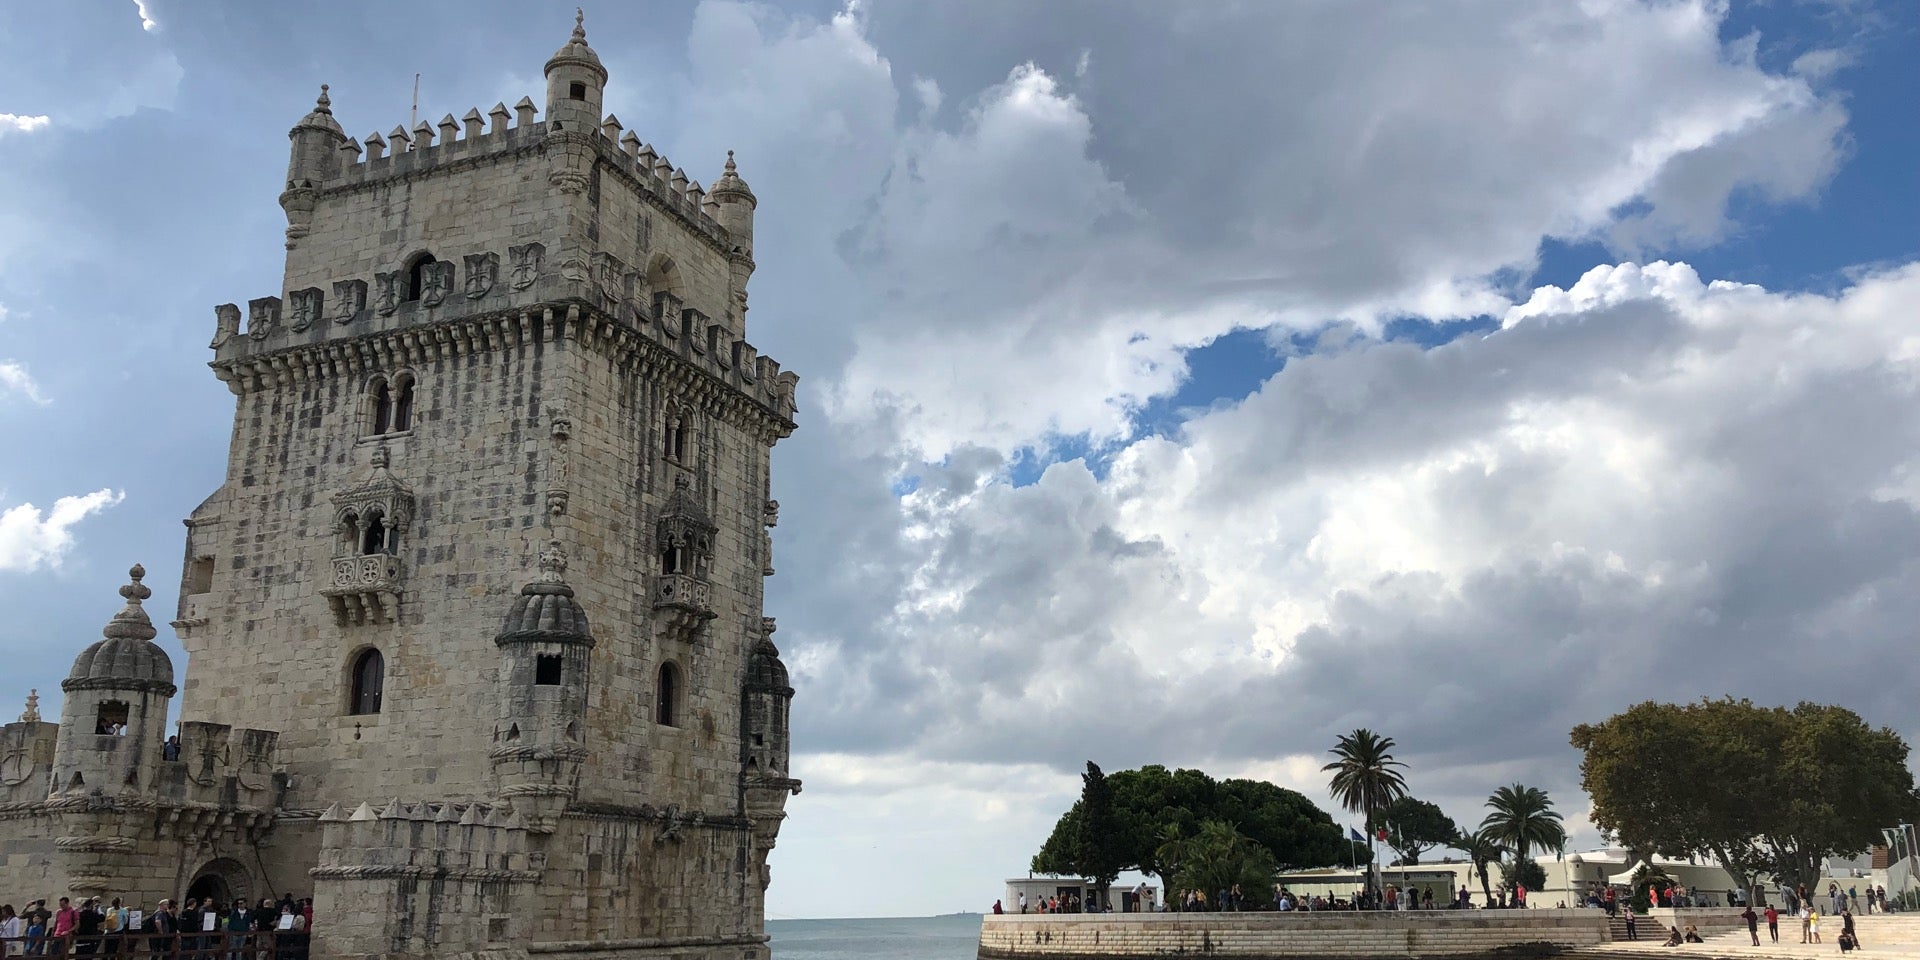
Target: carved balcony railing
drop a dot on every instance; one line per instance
(364, 589)
(681, 603)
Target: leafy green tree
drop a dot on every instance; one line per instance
(1365, 777)
(1416, 826)
(1482, 851)
(1156, 809)
(1522, 818)
(1758, 789)
(1518, 871)
(1220, 857)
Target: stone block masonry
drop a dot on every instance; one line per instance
(476, 618)
(1271, 936)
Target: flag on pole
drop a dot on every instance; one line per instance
(1357, 838)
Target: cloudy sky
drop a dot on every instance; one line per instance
(1182, 383)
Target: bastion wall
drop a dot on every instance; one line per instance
(1267, 936)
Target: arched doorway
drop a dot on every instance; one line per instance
(222, 880)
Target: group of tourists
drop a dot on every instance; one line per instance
(270, 930)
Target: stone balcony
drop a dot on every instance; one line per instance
(681, 603)
(364, 589)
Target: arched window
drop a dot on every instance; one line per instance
(382, 408)
(666, 698)
(349, 531)
(417, 275)
(403, 402)
(373, 538)
(671, 559)
(369, 679)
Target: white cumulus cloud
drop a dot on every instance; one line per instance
(21, 123)
(31, 538)
(15, 378)
(146, 17)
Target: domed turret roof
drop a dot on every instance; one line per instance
(765, 671)
(730, 186)
(126, 658)
(321, 116)
(576, 51)
(545, 610)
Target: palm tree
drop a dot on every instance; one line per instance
(1523, 818)
(1482, 850)
(1364, 778)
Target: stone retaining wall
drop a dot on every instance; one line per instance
(1270, 936)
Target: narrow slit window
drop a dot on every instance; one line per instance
(666, 705)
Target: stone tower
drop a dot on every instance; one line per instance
(489, 557)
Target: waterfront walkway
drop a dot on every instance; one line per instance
(1895, 937)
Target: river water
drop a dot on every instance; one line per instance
(894, 938)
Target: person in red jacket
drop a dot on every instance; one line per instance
(1773, 923)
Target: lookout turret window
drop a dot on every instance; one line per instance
(112, 719)
(576, 91)
(546, 670)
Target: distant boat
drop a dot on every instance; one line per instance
(962, 913)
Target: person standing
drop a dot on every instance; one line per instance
(1773, 923)
(1023, 895)
(86, 927)
(240, 920)
(64, 920)
(1753, 924)
(1632, 933)
(1813, 925)
(11, 929)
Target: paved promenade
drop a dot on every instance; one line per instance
(1894, 937)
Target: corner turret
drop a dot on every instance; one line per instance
(733, 201)
(315, 158)
(546, 651)
(576, 81)
(116, 706)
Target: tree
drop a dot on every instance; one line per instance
(1154, 808)
(1758, 789)
(1482, 850)
(1523, 818)
(1100, 848)
(1522, 872)
(1416, 826)
(1364, 776)
(1219, 857)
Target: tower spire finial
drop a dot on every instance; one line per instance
(579, 24)
(324, 104)
(730, 167)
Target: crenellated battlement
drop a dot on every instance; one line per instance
(499, 133)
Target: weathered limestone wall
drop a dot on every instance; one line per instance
(1257, 936)
(273, 655)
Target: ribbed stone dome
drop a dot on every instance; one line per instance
(765, 671)
(545, 608)
(321, 116)
(127, 658)
(576, 49)
(730, 186)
